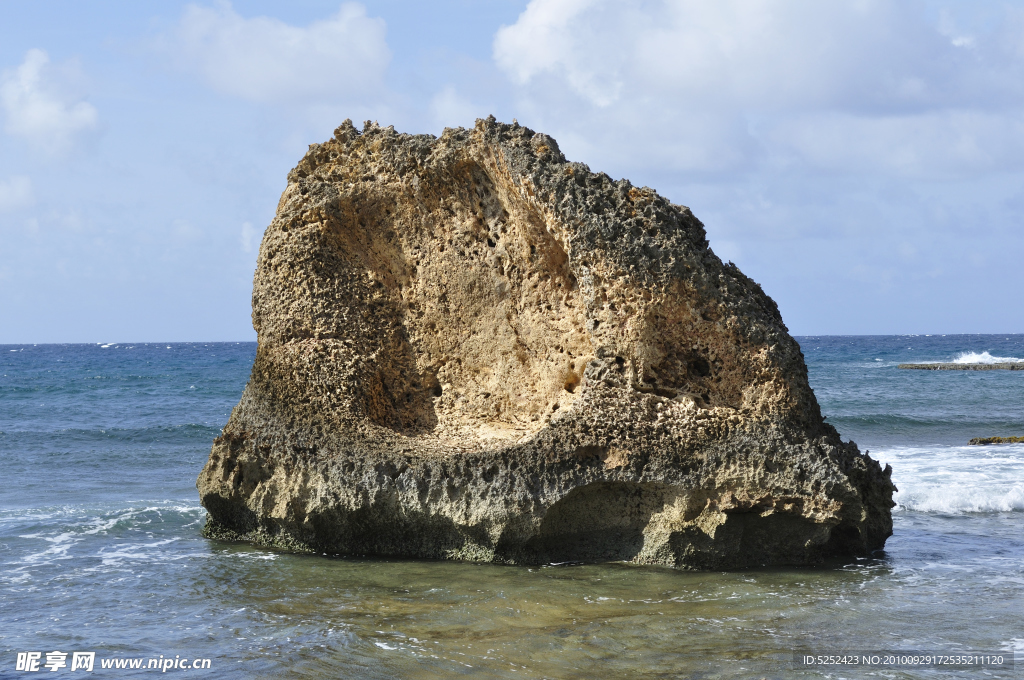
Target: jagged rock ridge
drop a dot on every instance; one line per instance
(470, 348)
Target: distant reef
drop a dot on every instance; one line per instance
(471, 348)
(996, 440)
(1012, 366)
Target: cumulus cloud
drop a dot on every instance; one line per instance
(43, 102)
(734, 84)
(565, 38)
(263, 59)
(15, 192)
(860, 55)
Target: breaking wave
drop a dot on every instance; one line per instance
(983, 358)
(957, 479)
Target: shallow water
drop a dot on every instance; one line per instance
(100, 548)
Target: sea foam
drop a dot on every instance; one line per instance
(983, 358)
(957, 479)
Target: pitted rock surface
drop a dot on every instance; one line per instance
(470, 348)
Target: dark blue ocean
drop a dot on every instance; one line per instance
(100, 551)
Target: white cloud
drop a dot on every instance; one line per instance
(266, 60)
(773, 54)
(740, 85)
(560, 36)
(15, 193)
(43, 102)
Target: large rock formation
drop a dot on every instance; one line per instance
(470, 348)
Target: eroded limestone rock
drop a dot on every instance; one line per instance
(470, 348)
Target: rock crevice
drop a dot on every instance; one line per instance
(471, 348)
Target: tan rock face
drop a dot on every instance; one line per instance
(470, 348)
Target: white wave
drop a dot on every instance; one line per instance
(957, 479)
(255, 556)
(983, 358)
(58, 550)
(139, 551)
(93, 516)
(76, 526)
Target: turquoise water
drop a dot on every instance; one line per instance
(100, 548)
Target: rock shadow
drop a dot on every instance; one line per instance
(599, 522)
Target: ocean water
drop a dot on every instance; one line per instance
(100, 550)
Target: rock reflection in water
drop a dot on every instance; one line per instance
(431, 619)
(938, 587)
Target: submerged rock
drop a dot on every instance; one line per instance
(1004, 366)
(470, 348)
(983, 441)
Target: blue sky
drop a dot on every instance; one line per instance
(862, 160)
